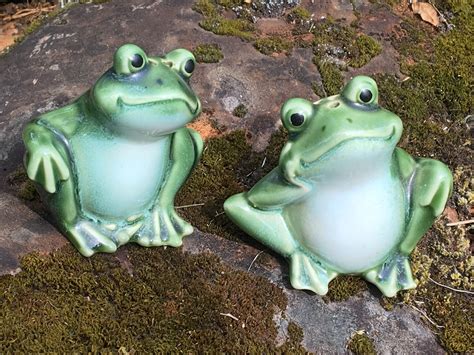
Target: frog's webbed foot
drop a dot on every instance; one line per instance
(392, 276)
(308, 273)
(89, 238)
(163, 227)
(46, 166)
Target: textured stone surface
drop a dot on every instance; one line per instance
(62, 59)
(23, 231)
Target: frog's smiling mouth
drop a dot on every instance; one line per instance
(193, 107)
(381, 135)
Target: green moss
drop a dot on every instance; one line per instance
(24, 188)
(344, 287)
(331, 77)
(240, 111)
(140, 300)
(361, 344)
(273, 44)
(334, 41)
(365, 48)
(228, 166)
(216, 175)
(216, 23)
(205, 7)
(208, 53)
(299, 14)
(318, 89)
(228, 27)
(295, 337)
(229, 4)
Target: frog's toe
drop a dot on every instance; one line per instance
(89, 239)
(163, 228)
(306, 273)
(392, 276)
(173, 228)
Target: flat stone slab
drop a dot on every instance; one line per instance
(63, 59)
(23, 231)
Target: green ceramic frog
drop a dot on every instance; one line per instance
(110, 164)
(344, 199)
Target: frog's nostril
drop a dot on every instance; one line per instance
(159, 81)
(334, 104)
(349, 120)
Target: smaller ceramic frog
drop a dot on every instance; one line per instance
(110, 164)
(344, 199)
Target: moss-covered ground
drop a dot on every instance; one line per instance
(140, 300)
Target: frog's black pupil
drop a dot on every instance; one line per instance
(137, 61)
(297, 119)
(365, 95)
(189, 66)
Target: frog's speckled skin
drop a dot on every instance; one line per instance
(344, 199)
(109, 164)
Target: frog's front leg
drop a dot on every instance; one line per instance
(47, 163)
(428, 184)
(260, 212)
(43, 160)
(165, 226)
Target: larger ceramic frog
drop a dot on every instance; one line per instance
(109, 164)
(344, 199)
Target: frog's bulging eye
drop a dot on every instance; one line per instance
(297, 119)
(296, 114)
(129, 59)
(365, 96)
(137, 61)
(189, 66)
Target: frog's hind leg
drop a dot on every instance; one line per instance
(429, 187)
(269, 228)
(85, 235)
(164, 226)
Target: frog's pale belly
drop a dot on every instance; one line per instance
(118, 178)
(352, 228)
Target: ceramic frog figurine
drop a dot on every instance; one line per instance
(109, 164)
(344, 199)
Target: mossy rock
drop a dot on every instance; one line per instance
(361, 344)
(331, 77)
(228, 166)
(240, 111)
(216, 23)
(208, 53)
(336, 41)
(344, 287)
(140, 300)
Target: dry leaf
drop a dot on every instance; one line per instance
(8, 33)
(427, 12)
